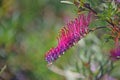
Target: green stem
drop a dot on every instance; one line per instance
(4, 67)
(86, 5)
(91, 30)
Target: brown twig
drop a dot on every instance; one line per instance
(86, 5)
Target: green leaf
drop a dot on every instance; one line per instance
(67, 2)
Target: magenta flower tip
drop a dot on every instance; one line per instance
(115, 53)
(70, 34)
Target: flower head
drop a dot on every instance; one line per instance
(118, 1)
(69, 35)
(115, 53)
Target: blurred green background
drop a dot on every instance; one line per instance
(28, 29)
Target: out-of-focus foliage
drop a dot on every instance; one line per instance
(28, 28)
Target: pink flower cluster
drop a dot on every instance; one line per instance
(69, 35)
(115, 53)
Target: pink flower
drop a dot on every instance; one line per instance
(69, 35)
(115, 53)
(118, 0)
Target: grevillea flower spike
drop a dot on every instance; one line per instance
(69, 35)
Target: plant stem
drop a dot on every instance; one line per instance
(86, 5)
(91, 30)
